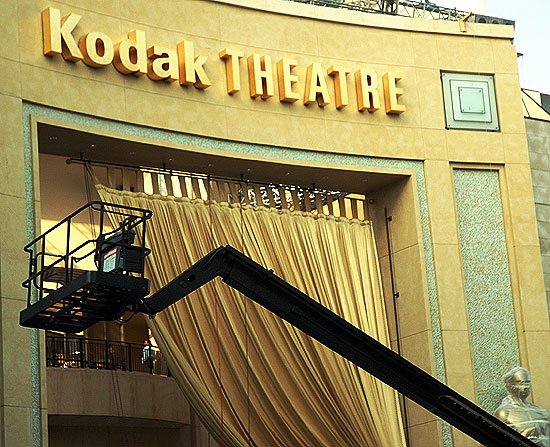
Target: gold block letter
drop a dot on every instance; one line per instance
(163, 65)
(232, 72)
(191, 68)
(392, 92)
(286, 80)
(260, 76)
(340, 85)
(316, 86)
(131, 54)
(97, 49)
(366, 85)
(57, 34)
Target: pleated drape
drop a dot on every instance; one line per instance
(252, 378)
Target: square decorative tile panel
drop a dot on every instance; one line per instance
(470, 101)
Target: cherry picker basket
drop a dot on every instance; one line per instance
(76, 281)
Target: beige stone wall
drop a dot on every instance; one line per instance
(419, 50)
(212, 26)
(17, 409)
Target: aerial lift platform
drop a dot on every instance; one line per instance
(86, 299)
(74, 284)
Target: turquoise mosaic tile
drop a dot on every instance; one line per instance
(487, 281)
(36, 392)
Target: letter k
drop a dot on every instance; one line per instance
(57, 34)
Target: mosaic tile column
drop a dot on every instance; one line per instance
(487, 281)
(22, 415)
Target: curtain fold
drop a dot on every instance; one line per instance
(253, 378)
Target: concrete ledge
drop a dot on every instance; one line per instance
(129, 395)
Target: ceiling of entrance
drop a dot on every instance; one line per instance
(88, 146)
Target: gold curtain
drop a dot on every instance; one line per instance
(252, 378)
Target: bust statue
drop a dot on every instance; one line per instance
(517, 412)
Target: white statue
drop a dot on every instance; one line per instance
(517, 412)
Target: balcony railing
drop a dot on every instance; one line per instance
(79, 352)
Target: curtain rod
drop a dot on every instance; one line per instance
(202, 176)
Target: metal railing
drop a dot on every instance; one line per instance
(79, 352)
(406, 8)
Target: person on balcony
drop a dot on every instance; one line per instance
(147, 357)
(112, 362)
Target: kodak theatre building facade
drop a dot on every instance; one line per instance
(418, 121)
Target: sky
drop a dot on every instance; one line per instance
(532, 33)
(532, 38)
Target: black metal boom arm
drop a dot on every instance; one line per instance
(306, 314)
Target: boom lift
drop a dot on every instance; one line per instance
(287, 302)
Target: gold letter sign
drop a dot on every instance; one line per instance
(296, 79)
(57, 34)
(392, 92)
